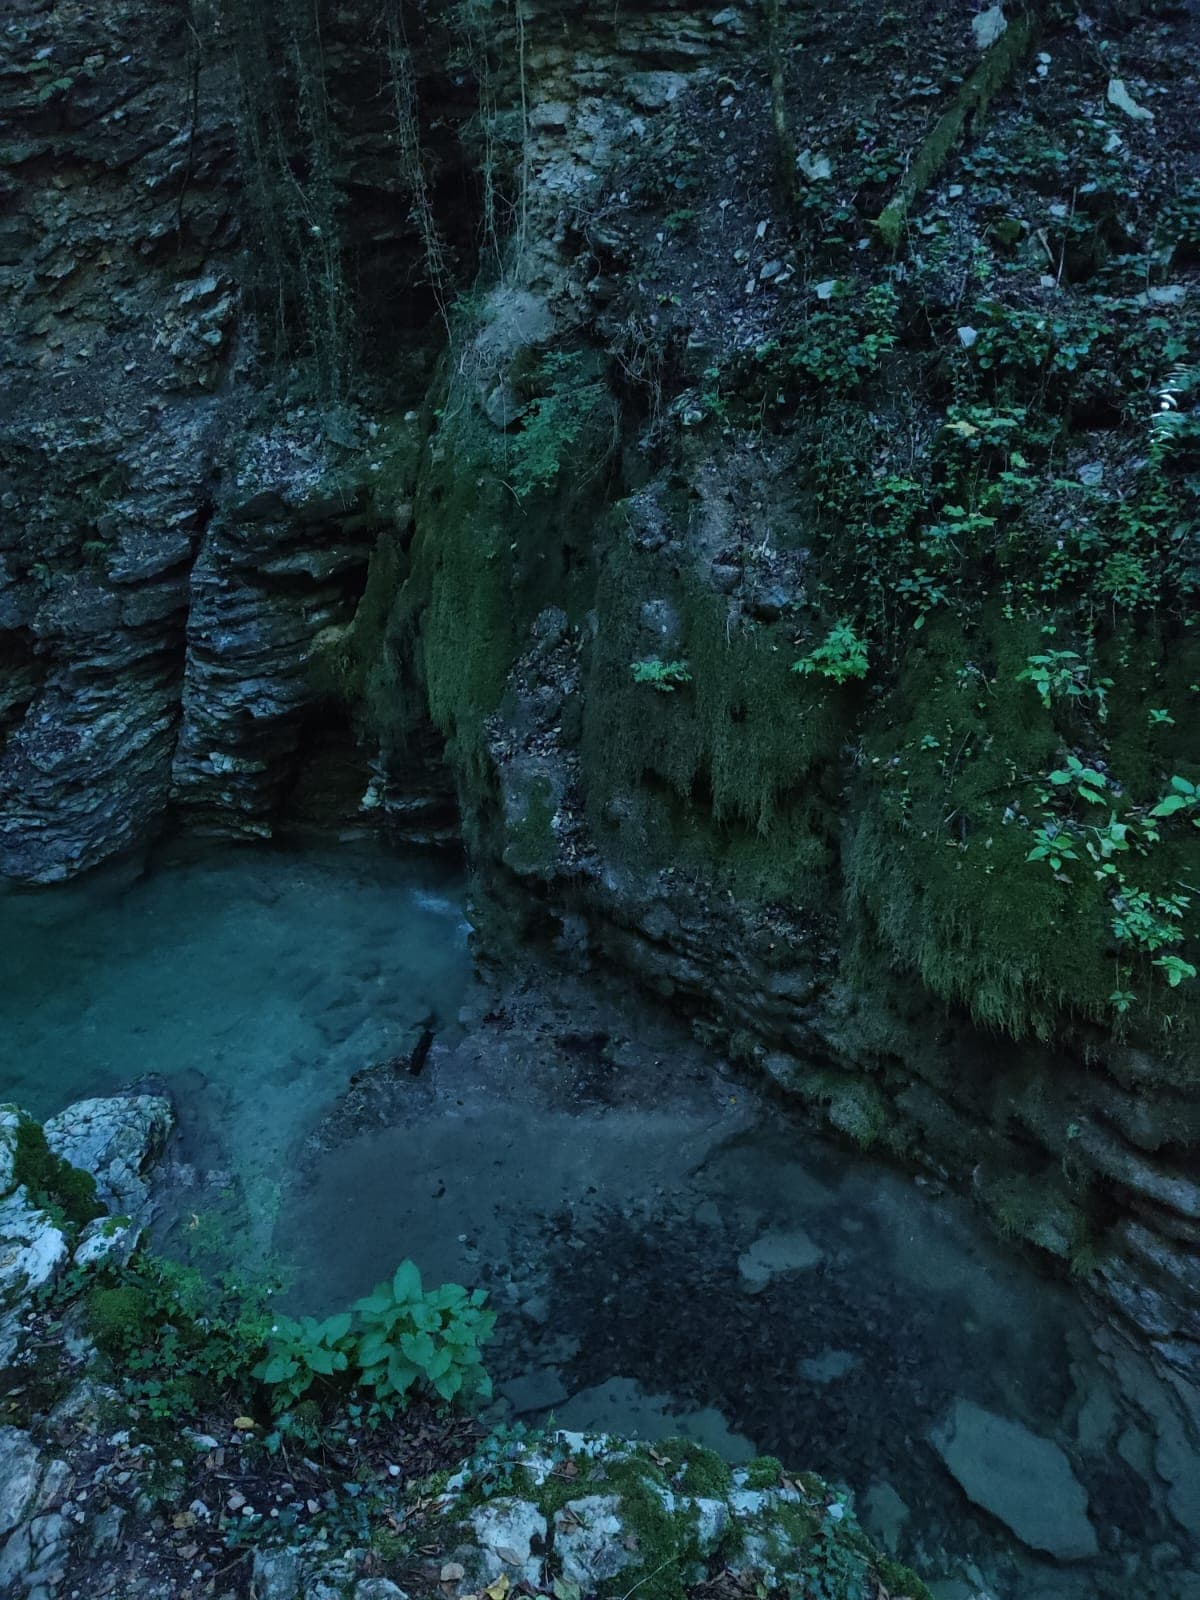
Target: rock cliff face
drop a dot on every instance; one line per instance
(559, 553)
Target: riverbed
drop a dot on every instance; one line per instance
(669, 1248)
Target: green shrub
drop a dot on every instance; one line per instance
(397, 1338)
(665, 676)
(843, 655)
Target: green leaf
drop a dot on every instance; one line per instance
(418, 1347)
(1168, 806)
(406, 1285)
(377, 1302)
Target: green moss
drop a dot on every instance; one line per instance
(119, 1317)
(52, 1182)
(901, 1582)
(764, 1472)
(693, 1469)
(531, 844)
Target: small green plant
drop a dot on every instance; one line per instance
(405, 1335)
(1064, 675)
(398, 1337)
(1176, 969)
(553, 421)
(1184, 796)
(1054, 843)
(665, 676)
(842, 656)
(1122, 1000)
(1147, 922)
(302, 1350)
(1087, 783)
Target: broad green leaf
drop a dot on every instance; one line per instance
(406, 1285)
(418, 1347)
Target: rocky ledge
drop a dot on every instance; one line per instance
(106, 1489)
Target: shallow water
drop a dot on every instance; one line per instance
(669, 1252)
(251, 983)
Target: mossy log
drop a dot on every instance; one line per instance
(999, 63)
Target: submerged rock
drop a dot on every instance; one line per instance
(789, 1250)
(1022, 1479)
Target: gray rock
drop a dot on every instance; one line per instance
(11, 1118)
(589, 1541)
(107, 1239)
(21, 1469)
(507, 1531)
(116, 1139)
(1025, 1481)
(32, 1248)
(275, 1575)
(988, 26)
(378, 1589)
(784, 1250)
(884, 1515)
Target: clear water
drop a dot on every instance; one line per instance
(250, 983)
(668, 1251)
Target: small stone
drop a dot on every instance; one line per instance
(1092, 473)
(967, 337)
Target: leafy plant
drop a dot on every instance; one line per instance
(665, 676)
(301, 1351)
(1064, 675)
(843, 655)
(405, 1335)
(1184, 796)
(397, 1337)
(553, 421)
(1176, 969)
(1088, 783)
(1147, 921)
(1053, 843)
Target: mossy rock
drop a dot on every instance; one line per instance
(52, 1183)
(604, 1516)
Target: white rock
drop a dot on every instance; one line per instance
(589, 1540)
(117, 1139)
(1119, 96)
(32, 1247)
(11, 1118)
(21, 1468)
(506, 1530)
(784, 1250)
(988, 26)
(814, 166)
(107, 1239)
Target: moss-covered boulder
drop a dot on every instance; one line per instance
(588, 1515)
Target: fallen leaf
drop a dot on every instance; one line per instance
(452, 1572)
(183, 1519)
(498, 1590)
(243, 1424)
